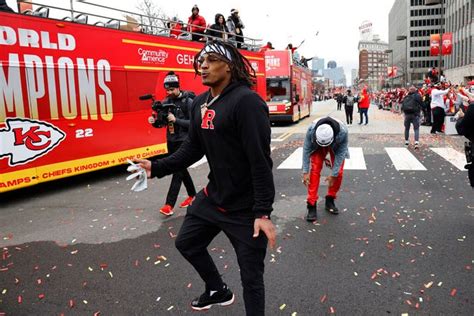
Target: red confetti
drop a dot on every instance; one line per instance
(41, 296)
(103, 266)
(409, 302)
(17, 280)
(20, 299)
(84, 284)
(39, 281)
(3, 269)
(97, 314)
(323, 298)
(136, 263)
(156, 246)
(453, 292)
(468, 267)
(332, 310)
(417, 305)
(71, 303)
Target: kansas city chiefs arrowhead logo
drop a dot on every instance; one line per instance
(24, 140)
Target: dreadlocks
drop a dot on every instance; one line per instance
(241, 69)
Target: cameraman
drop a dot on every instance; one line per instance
(177, 121)
(465, 127)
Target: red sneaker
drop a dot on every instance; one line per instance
(167, 210)
(187, 202)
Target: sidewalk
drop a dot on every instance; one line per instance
(380, 121)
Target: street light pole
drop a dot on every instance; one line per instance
(441, 15)
(390, 51)
(405, 38)
(441, 24)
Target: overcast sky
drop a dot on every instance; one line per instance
(282, 22)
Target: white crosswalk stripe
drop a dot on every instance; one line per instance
(403, 159)
(294, 161)
(357, 161)
(453, 156)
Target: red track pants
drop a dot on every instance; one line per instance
(317, 161)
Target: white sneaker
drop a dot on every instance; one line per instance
(417, 145)
(407, 143)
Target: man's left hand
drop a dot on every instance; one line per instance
(265, 225)
(330, 180)
(171, 118)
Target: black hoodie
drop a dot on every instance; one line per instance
(235, 136)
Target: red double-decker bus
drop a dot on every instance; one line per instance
(69, 94)
(289, 87)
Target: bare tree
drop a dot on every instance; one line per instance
(153, 17)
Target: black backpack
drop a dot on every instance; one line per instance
(350, 100)
(409, 105)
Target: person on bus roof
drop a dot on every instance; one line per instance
(230, 125)
(264, 48)
(324, 136)
(235, 26)
(219, 29)
(176, 27)
(176, 132)
(4, 7)
(304, 61)
(196, 24)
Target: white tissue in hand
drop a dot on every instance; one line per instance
(141, 183)
(138, 172)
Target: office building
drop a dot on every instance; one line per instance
(317, 66)
(415, 21)
(373, 63)
(459, 66)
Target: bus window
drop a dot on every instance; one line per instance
(278, 89)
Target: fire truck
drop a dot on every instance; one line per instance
(289, 87)
(69, 90)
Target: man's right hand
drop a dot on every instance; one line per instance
(145, 164)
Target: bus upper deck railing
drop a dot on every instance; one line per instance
(142, 23)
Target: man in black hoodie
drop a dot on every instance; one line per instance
(230, 125)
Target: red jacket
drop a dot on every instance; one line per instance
(364, 102)
(198, 24)
(176, 30)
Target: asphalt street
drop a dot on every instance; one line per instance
(401, 245)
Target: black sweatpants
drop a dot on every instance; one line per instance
(179, 177)
(202, 223)
(427, 113)
(438, 119)
(349, 113)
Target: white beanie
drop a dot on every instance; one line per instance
(324, 135)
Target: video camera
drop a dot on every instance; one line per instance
(160, 111)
